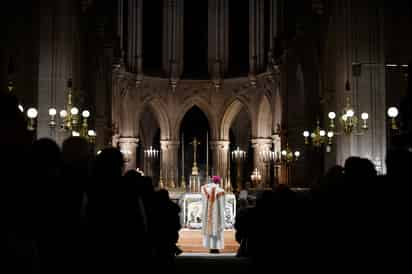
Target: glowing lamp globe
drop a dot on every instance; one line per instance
(74, 111)
(32, 113)
(364, 116)
(86, 114)
(52, 111)
(393, 112)
(63, 113)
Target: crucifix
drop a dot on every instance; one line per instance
(195, 170)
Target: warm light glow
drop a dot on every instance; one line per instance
(365, 116)
(75, 133)
(91, 133)
(393, 112)
(32, 113)
(74, 111)
(99, 151)
(344, 117)
(86, 114)
(322, 133)
(306, 133)
(391, 65)
(63, 113)
(21, 108)
(332, 115)
(350, 113)
(284, 152)
(330, 134)
(52, 111)
(297, 154)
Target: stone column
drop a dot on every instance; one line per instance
(273, 29)
(218, 38)
(220, 154)
(135, 23)
(128, 147)
(256, 37)
(120, 27)
(259, 145)
(173, 39)
(168, 163)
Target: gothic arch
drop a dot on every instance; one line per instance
(230, 113)
(264, 119)
(158, 108)
(204, 106)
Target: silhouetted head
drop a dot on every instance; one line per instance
(76, 155)
(163, 195)
(109, 163)
(45, 158)
(359, 170)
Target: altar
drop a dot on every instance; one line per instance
(191, 213)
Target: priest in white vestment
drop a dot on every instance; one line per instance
(213, 219)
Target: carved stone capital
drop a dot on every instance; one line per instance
(220, 145)
(169, 144)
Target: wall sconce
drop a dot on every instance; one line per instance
(32, 115)
(393, 113)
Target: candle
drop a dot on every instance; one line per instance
(183, 154)
(207, 156)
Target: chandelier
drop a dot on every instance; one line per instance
(72, 120)
(349, 122)
(393, 113)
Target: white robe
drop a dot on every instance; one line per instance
(213, 216)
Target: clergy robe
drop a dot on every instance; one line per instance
(213, 216)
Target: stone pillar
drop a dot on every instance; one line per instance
(259, 145)
(256, 37)
(135, 23)
(173, 38)
(220, 154)
(128, 147)
(218, 38)
(169, 163)
(273, 29)
(120, 27)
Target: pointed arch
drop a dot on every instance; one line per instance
(204, 106)
(264, 119)
(159, 110)
(229, 115)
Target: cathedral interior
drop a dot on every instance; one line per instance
(259, 92)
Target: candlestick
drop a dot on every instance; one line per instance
(207, 156)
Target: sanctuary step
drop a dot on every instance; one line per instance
(190, 241)
(212, 263)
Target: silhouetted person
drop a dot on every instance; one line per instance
(48, 213)
(166, 226)
(19, 248)
(104, 211)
